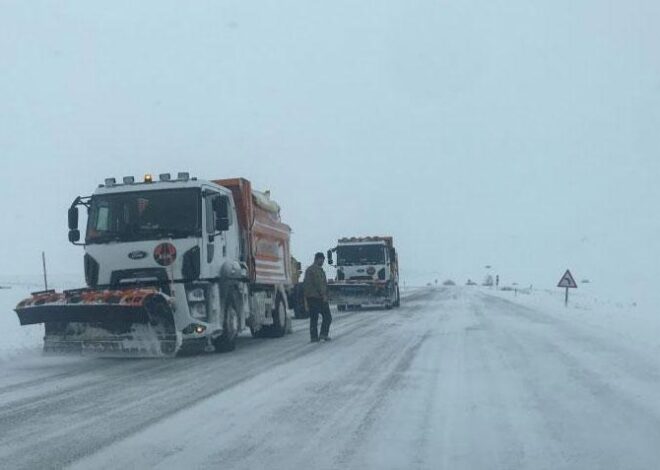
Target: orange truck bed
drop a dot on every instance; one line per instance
(264, 238)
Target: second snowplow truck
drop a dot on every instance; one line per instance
(367, 273)
(171, 265)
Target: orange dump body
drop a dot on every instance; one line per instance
(264, 238)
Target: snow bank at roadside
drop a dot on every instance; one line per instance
(17, 339)
(638, 321)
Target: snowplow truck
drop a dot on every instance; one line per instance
(171, 265)
(367, 273)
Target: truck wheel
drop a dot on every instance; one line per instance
(397, 302)
(227, 341)
(299, 302)
(280, 319)
(300, 312)
(289, 325)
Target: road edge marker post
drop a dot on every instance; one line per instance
(567, 281)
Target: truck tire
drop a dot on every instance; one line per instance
(289, 325)
(397, 302)
(227, 341)
(300, 312)
(297, 302)
(280, 319)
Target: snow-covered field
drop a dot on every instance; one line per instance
(457, 378)
(18, 340)
(635, 320)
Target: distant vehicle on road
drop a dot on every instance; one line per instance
(367, 273)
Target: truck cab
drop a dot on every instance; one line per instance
(192, 261)
(367, 273)
(179, 231)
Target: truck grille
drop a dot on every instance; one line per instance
(361, 278)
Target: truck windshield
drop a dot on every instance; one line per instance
(360, 254)
(144, 215)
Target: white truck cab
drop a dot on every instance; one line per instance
(367, 273)
(195, 246)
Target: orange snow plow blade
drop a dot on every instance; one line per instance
(122, 322)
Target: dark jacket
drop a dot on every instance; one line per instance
(315, 283)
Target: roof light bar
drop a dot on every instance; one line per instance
(129, 179)
(148, 178)
(165, 177)
(183, 175)
(110, 181)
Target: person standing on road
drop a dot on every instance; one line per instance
(315, 286)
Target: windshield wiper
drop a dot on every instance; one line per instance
(164, 232)
(106, 237)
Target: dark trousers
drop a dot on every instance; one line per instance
(316, 307)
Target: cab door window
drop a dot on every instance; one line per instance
(210, 215)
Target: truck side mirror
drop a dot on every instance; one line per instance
(74, 235)
(221, 210)
(330, 261)
(392, 255)
(73, 219)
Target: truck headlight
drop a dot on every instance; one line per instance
(194, 328)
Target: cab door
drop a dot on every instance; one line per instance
(213, 241)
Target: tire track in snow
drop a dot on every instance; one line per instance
(75, 414)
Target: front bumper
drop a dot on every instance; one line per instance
(360, 293)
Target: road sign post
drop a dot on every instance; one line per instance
(43, 262)
(568, 282)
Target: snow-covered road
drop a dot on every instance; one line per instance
(454, 379)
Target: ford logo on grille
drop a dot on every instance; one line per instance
(137, 254)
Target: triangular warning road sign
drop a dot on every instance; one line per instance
(567, 281)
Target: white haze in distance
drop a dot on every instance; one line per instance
(523, 135)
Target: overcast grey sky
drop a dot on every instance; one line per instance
(520, 134)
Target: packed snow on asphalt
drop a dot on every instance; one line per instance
(457, 378)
